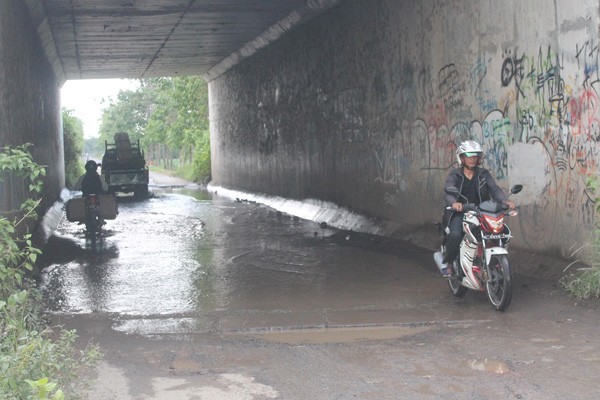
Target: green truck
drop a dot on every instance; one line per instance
(124, 167)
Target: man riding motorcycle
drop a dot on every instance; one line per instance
(476, 185)
(91, 182)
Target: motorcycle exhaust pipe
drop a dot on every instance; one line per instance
(438, 257)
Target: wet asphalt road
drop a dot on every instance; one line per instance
(194, 296)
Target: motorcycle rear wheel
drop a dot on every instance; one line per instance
(93, 232)
(499, 285)
(456, 288)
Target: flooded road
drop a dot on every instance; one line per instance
(196, 296)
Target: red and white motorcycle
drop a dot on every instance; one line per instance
(482, 263)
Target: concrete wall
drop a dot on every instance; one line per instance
(365, 106)
(29, 104)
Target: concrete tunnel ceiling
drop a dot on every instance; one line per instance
(94, 39)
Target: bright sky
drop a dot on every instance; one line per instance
(84, 97)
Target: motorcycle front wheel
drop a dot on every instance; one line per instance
(499, 284)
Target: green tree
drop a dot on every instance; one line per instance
(127, 113)
(73, 144)
(180, 116)
(169, 116)
(93, 147)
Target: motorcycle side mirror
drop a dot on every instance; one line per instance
(516, 189)
(452, 190)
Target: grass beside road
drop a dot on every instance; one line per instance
(184, 172)
(585, 282)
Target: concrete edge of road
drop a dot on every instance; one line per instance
(540, 266)
(546, 267)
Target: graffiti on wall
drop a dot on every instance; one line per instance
(548, 100)
(348, 113)
(478, 84)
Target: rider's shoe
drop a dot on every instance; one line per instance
(448, 271)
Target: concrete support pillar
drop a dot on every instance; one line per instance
(30, 109)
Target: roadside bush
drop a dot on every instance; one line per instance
(585, 282)
(199, 170)
(201, 164)
(73, 145)
(35, 363)
(30, 357)
(186, 171)
(17, 254)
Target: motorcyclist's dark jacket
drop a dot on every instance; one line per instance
(91, 184)
(485, 185)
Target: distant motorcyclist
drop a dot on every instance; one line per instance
(91, 182)
(476, 185)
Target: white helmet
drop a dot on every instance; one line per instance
(468, 148)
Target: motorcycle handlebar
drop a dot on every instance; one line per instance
(472, 207)
(466, 207)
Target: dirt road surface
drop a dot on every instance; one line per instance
(193, 296)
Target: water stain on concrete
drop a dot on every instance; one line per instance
(335, 335)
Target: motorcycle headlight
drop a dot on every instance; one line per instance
(496, 224)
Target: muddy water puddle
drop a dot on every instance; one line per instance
(194, 285)
(487, 365)
(186, 261)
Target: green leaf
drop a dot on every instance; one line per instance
(31, 383)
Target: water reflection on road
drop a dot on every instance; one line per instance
(168, 263)
(234, 287)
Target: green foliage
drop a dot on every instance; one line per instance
(30, 357)
(585, 283)
(167, 115)
(73, 144)
(43, 388)
(93, 147)
(201, 163)
(17, 254)
(127, 113)
(32, 364)
(592, 184)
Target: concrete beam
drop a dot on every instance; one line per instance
(37, 13)
(311, 9)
